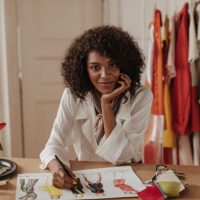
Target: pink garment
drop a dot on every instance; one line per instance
(98, 126)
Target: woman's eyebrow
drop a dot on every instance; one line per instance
(111, 61)
(96, 63)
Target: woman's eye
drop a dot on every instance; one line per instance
(113, 65)
(95, 67)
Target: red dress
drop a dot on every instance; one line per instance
(181, 98)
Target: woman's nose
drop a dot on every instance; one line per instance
(104, 72)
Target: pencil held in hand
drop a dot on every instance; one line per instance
(66, 169)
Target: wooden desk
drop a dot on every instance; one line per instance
(143, 171)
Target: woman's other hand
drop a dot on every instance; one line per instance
(124, 84)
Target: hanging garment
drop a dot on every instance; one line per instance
(181, 98)
(195, 110)
(154, 134)
(169, 138)
(185, 152)
(170, 66)
(193, 56)
(149, 67)
(157, 84)
(198, 41)
(196, 148)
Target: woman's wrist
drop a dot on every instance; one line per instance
(105, 100)
(54, 166)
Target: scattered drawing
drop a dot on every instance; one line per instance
(97, 187)
(55, 193)
(28, 189)
(120, 183)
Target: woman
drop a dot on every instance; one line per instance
(104, 111)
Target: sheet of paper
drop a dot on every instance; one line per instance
(112, 182)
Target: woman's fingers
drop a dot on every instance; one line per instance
(125, 83)
(63, 183)
(126, 79)
(61, 180)
(123, 86)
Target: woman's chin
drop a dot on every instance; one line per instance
(105, 90)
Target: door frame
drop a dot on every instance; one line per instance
(10, 93)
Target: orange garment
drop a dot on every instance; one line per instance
(181, 98)
(157, 84)
(169, 137)
(153, 136)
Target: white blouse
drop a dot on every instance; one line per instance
(74, 125)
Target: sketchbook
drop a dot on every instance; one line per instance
(101, 183)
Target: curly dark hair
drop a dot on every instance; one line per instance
(109, 41)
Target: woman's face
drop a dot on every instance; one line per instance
(103, 72)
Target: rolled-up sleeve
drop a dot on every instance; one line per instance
(126, 140)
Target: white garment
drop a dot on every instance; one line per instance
(193, 52)
(149, 67)
(198, 39)
(193, 55)
(198, 25)
(170, 66)
(74, 125)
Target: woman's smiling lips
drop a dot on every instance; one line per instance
(106, 83)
